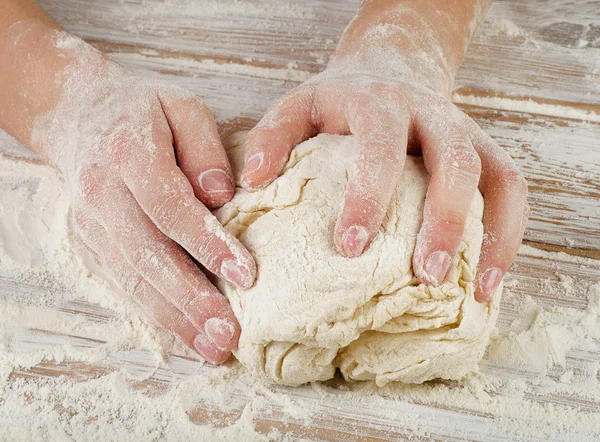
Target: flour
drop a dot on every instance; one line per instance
(506, 27)
(123, 379)
(529, 106)
(233, 8)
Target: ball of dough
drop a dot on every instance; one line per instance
(312, 311)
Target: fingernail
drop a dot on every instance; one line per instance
(221, 332)
(215, 181)
(205, 348)
(437, 266)
(236, 273)
(254, 163)
(354, 241)
(490, 281)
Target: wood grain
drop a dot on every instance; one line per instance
(352, 421)
(240, 56)
(552, 55)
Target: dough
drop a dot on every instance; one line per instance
(312, 311)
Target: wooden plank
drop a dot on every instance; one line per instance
(267, 31)
(544, 50)
(242, 55)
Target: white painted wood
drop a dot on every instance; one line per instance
(356, 419)
(553, 55)
(236, 56)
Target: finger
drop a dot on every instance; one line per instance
(166, 196)
(505, 213)
(455, 169)
(287, 123)
(200, 154)
(152, 303)
(164, 265)
(381, 134)
(170, 271)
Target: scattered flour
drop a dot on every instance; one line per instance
(528, 106)
(208, 65)
(506, 27)
(78, 364)
(227, 8)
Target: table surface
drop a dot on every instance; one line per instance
(531, 78)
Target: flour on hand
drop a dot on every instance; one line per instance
(313, 311)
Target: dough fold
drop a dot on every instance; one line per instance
(312, 311)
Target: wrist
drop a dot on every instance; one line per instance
(409, 40)
(24, 30)
(82, 110)
(388, 65)
(42, 63)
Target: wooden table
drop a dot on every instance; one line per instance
(537, 55)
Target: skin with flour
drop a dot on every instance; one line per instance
(144, 161)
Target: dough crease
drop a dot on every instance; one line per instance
(312, 311)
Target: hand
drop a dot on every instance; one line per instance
(393, 108)
(143, 161)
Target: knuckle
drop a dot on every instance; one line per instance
(460, 160)
(186, 301)
(512, 178)
(89, 184)
(379, 152)
(392, 154)
(167, 214)
(143, 259)
(132, 285)
(285, 109)
(302, 95)
(197, 110)
(206, 247)
(453, 221)
(382, 89)
(365, 206)
(462, 156)
(384, 98)
(169, 206)
(120, 148)
(198, 104)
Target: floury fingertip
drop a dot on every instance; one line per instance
(437, 266)
(490, 281)
(254, 163)
(207, 349)
(354, 241)
(221, 332)
(236, 273)
(215, 181)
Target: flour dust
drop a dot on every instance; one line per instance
(77, 363)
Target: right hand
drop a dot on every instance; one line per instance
(144, 162)
(379, 90)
